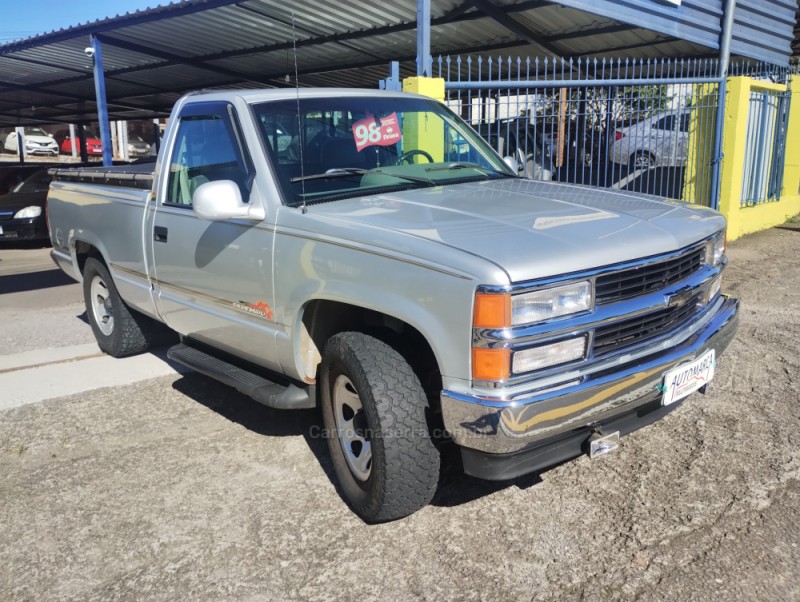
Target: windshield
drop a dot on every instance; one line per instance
(38, 182)
(350, 146)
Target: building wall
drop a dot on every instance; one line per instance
(762, 28)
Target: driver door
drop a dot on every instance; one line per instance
(213, 279)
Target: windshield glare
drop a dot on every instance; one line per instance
(400, 142)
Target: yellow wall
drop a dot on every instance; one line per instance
(744, 220)
(423, 133)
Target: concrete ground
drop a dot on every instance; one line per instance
(177, 488)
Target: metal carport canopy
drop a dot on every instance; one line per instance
(152, 57)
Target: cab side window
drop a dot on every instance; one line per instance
(207, 148)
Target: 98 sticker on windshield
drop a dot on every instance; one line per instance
(372, 131)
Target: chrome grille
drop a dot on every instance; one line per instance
(641, 328)
(641, 280)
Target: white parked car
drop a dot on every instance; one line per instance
(37, 142)
(660, 140)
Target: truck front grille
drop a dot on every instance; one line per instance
(641, 280)
(641, 328)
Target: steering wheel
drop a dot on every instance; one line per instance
(407, 156)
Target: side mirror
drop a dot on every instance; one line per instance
(513, 164)
(221, 200)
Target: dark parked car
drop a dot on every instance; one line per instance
(514, 138)
(12, 174)
(23, 211)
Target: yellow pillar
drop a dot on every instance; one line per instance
(421, 133)
(700, 147)
(734, 143)
(791, 166)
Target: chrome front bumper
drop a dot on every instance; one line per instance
(501, 427)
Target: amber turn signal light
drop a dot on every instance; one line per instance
(492, 311)
(491, 364)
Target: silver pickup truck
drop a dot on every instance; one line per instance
(366, 251)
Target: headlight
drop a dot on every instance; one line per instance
(32, 211)
(549, 303)
(545, 356)
(715, 249)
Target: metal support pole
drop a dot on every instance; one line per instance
(122, 140)
(21, 144)
(100, 93)
(724, 62)
(72, 140)
(82, 143)
(112, 125)
(156, 138)
(393, 81)
(423, 38)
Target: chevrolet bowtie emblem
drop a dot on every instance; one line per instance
(678, 299)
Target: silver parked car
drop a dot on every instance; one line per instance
(137, 147)
(660, 140)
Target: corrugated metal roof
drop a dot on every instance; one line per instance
(153, 56)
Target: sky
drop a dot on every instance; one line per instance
(25, 18)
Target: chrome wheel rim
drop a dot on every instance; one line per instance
(101, 306)
(642, 162)
(351, 428)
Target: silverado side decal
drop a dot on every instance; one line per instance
(259, 308)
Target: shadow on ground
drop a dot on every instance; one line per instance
(455, 488)
(34, 281)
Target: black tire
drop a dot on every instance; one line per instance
(120, 332)
(404, 469)
(641, 160)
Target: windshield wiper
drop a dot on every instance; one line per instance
(465, 165)
(339, 172)
(343, 172)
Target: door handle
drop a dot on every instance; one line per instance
(160, 234)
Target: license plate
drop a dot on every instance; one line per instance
(688, 378)
(1, 230)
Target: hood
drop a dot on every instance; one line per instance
(39, 139)
(535, 229)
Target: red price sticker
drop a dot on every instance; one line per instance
(372, 132)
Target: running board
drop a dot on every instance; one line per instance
(282, 397)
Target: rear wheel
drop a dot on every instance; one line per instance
(642, 160)
(375, 413)
(119, 330)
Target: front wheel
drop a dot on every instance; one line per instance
(119, 331)
(376, 421)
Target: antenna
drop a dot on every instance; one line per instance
(303, 207)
